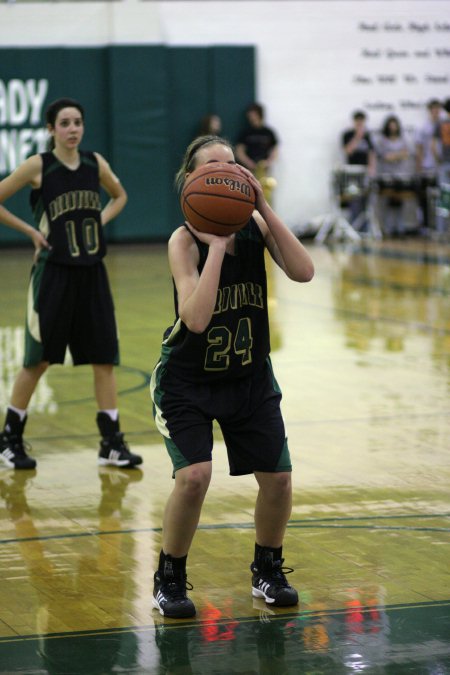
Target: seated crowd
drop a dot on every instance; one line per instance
(410, 176)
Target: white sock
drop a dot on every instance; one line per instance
(113, 413)
(22, 413)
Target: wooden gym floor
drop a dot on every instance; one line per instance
(363, 357)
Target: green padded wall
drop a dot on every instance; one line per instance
(143, 106)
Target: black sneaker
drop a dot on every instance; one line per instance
(114, 451)
(169, 596)
(269, 582)
(12, 452)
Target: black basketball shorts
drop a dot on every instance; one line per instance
(70, 307)
(247, 411)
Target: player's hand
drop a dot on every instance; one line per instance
(216, 240)
(260, 199)
(39, 242)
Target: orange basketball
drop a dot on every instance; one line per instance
(217, 198)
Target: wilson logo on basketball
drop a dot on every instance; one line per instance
(233, 185)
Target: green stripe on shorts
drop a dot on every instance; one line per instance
(178, 459)
(284, 463)
(33, 343)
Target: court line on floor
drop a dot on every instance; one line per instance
(403, 254)
(146, 432)
(421, 257)
(373, 282)
(372, 418)
(320, 523)
(361, 316)
(154, 433)
(302, 614)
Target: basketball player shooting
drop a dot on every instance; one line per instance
(215, 365)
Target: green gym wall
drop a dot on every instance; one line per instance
(143, 105)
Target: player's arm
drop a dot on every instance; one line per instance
(284, 247)
(28, 173)
(115, 189)
(351, 143)
(196, 292)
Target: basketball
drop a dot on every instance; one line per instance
(217, 198)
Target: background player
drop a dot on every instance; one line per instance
(69, 301)
(215, 365)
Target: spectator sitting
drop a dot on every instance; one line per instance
(394, 156)
(395, 176)
(210, 125)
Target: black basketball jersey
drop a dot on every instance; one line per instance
(236, 341)
(67, 208)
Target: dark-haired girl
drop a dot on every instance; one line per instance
(69, 302)
(396, 185)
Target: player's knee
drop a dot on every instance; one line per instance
(282, 482)
(277, 486)
(194, 480)
(37, 370)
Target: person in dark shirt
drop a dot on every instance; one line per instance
(357, 143)
(257, 143)
(359, 151)
(69, 301)
(257, 148)
(215, 365)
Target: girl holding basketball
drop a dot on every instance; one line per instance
(69, 301)
(215, 365)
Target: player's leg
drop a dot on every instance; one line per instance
(25, 383)
(42, 307)
(272, 511)
(105, 386)
(183, 508)
(256, 443)
(12, 447)
(181, 414)
(273, 507)
(181, 517)
(114, 451)
(94, 340)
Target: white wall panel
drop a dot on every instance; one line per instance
(318, 60)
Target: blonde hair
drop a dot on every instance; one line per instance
(188, 163)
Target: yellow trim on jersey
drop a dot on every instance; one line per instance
(160, 422)
(44, 227)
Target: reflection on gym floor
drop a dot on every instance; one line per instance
(363, 358)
